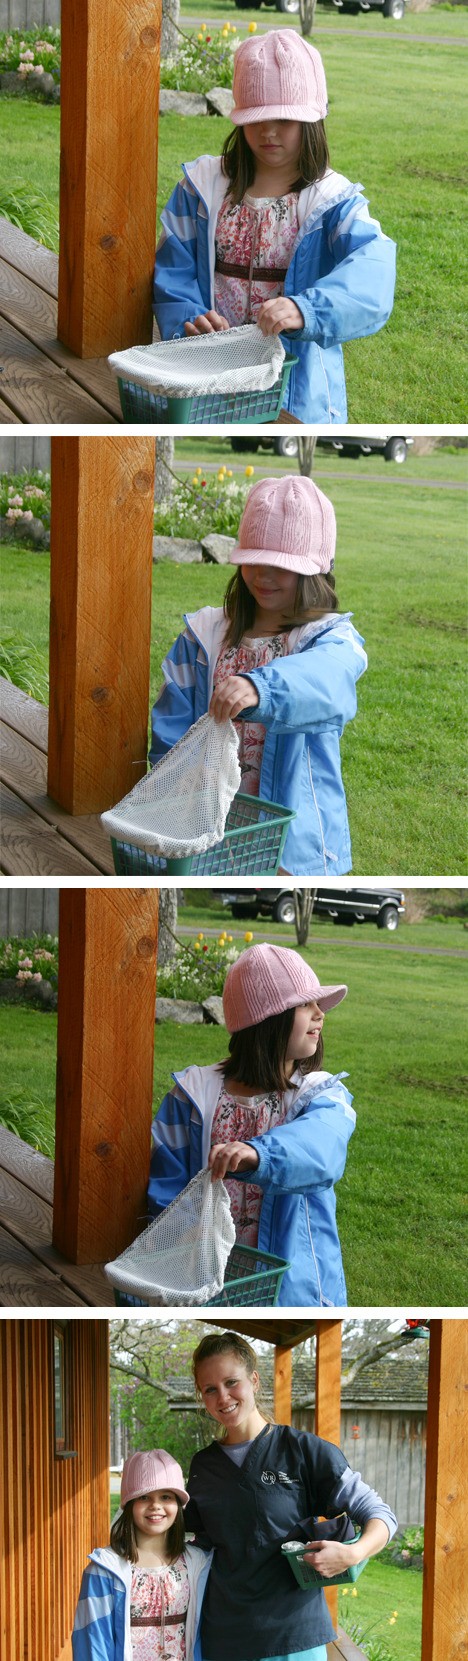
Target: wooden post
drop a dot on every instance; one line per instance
(328, 1403)
(444, 1627)
(282, 1406)
(100, 618)
(108, 173)
(107, 991)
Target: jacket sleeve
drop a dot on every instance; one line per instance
(93, 1636)
(309, 1152)
(170, 1155)
(177, 298)
(314, 689)
(174, 710)
(355, 298)
(362, 1503)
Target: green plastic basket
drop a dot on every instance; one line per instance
(253, 841)
(138, 403)
(307, 1576)
(251, 1277)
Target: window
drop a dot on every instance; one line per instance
(62, 1390)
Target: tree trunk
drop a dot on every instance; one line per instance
(167, 947)
(164, 482)
(307, 15)
(303, 907)
(306, 453)
(170, 37)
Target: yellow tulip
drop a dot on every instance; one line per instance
(229, 939)
(197, 946)
(248, 937)
(252, 30)
(229, 472)
(200, 37)
(200, 936)
(199, 471)
(195, 479)
(344, 1591)
(221, 476)
(249, 471)
(354, 1592)
(222, 940)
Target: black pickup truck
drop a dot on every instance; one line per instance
(383, 906)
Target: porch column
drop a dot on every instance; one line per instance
(282, 1392)
(100, 618)
(444, 1631)
(108, 173)
(106, 1008)
(328, 1403)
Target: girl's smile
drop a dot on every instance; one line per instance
(272, 587)
(155, 1513)
(306, 1030)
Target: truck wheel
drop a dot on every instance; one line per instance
(287, 5)
(395, 9)
(396, 449)
(286, 446)
(284, 910)
(388, 918)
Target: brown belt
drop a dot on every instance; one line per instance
(260, 273)
(155, 1620)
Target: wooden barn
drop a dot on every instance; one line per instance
(54, 1476)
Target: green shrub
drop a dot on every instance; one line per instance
(203, 60)
(25, 666)
(199, 970)
(31, 212)
(29, 51)
(209, 503)
(24, 493)
(34, 956)
(25, 1116)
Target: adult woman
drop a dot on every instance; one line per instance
(253, 1489)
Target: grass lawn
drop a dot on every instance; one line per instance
(401, 1202)
(402, 756)
(379, 1591)
(393, 88)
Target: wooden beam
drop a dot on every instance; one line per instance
(444, 1630)
(108, 173)
(328, 1404)
(100, 618)
(282, 1404)
(105, 1042)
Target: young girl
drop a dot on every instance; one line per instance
(140, 1597)
(271, 234)
(282, 663)
(270, 1117)
(257, 1486)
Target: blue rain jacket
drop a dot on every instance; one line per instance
(299, 1162)
(102, 1621)
(341, 275)
(305, 701)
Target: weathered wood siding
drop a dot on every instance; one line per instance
(52, 1510)
(28, 911)
(16, 453)
(390, 1453)
(23, 14)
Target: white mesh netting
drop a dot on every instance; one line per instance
(181, 807)
(181, 1258)
(233, 360)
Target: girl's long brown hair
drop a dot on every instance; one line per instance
(123, 1534)
(314, 598)
(257, 1055)
(238, 160)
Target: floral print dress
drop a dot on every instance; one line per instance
(158, 1608)
(254, 243)
(239, 660)
(237, 1119)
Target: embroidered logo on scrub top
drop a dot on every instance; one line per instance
(268, 1476)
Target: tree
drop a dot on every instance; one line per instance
(307, 15)
(305, 455)
(303, 907)
(146, 1361)
(164, 482)
(167, 945)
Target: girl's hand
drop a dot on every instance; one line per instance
(231, 696)
(276, 316)
(231, 1156)
(206, 324)
(329, 1556)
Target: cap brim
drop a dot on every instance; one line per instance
(304, 567)
(277, 112)
(329, 996)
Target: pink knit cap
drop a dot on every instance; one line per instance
(267, 979)
(288, 522)
(278, 75)
(144, 1472)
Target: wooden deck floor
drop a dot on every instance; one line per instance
(37, 837)
(32, 1273)
(40, 380)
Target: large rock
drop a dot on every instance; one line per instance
(181, 103)
(213, 1009)
(28, 991)
(218, 548)
(12, 81)
(179, 1009)
(32, 530)
(219, 100)
(179, 548)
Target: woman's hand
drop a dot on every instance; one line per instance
(231, 696)
(206, 324)
(330, 1556)
(231, 1156)
(278, 316)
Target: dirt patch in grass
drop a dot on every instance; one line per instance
(453, 1087)
(437, 623)
(458, 180)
